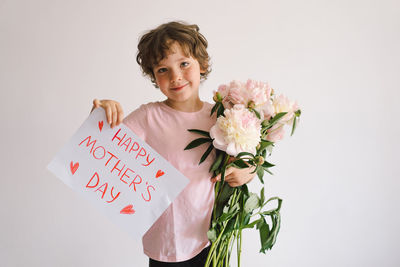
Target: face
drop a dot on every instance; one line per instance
(178, 78)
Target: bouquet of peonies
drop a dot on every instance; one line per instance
(250, 119)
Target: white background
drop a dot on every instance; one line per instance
(338, 175)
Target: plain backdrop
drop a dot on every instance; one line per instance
(338, 175)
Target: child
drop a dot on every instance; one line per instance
(174, 56)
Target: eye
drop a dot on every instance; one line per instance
(185, 64)
(161, 70)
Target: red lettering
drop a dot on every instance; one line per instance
(105, 189)
(112, 156)
(140, 154)
(94, 152)
(98, 179)
(127, 144)
(119, 138)
(148, 191)
(127, 169)
(112, 195)
(88, 143)
(148, 162)
(134, 183)
(115, 168)
(134, 149)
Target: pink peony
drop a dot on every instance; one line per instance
(252, 94)
(268, 110)
(237, 131)
(223, 90)
(283, 104)
(275, 133)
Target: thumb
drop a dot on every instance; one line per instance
(96, 103)
(216, 178)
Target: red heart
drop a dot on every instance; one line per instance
(73, 167)
(159, 173)
(128, 210)
(101, 125)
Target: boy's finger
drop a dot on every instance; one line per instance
(96, 103)
(108, 114)
(234, 184)
(120, 114)
(114, 115)
(229, 171)
(216, 178)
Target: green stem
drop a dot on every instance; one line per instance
(221, 248)
(229, 250)
(214, 246)
(217, 190)
(239, 246)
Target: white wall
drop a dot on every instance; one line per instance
(338, 175)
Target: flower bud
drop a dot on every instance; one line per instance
(259, 160)
(217, 97)
(272, 91)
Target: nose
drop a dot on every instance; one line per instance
(176, 76)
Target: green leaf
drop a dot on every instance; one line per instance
(245, 190)
(276, 118)
(240, 164)
(234, 208)
(257, 113)
(246, 219)
(197, 142)
(217, 161)
(262, 196)
(212, 235)
(271, 239)
(220, 110)
(223, 175)
(266, 164)
(251, 225)
(205, 155)
(278, 208)
(264, 154)
(264, 235)
(226, 216)
(214, 108)
(223, 197)
(260, 173)
(229, 226)
(264, 144)
(251, 203)
(201, 132)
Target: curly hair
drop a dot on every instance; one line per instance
(155, 44)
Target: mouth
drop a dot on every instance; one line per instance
(178, 87)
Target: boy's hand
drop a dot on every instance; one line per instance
(236, 177)
(113, 110)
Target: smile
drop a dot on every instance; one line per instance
(179, 87)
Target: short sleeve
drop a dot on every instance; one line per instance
(136, 121)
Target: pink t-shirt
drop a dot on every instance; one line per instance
(181, 231)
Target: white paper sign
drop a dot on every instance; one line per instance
(118, 172)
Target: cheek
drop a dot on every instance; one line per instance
(161, 80)
(194, 73)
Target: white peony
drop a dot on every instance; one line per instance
(237, 131)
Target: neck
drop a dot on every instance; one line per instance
(192, 106)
